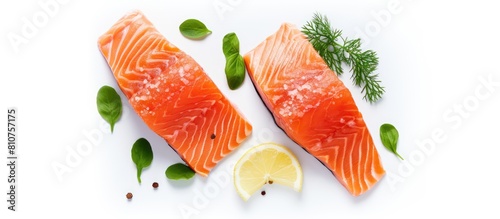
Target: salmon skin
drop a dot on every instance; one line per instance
(172, 93)
(314, 108)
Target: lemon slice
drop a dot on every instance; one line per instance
(266, 163)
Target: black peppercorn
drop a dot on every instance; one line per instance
(129, 195)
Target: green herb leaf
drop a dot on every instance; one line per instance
(142, 155)
(235, 71)
(389, 136)
(194, 29)
(109, 105)
(179, 171)
(235, 65)
(336, 49)
(230, 44)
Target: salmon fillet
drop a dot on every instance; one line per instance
(314, 108)
(172, 93)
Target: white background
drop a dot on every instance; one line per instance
(433, 56)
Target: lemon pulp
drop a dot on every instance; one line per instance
(266, 163)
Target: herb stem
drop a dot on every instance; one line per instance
(399, 155)
(139, 172)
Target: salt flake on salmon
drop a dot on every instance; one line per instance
(314, 108)
(172, 93)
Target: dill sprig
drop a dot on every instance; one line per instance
(336, 49)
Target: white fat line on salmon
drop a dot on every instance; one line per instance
(381, 19)
(453, 117)
(223, 6)
(31, 25)
(221, 177)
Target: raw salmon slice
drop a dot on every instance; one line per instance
(171, 92)
(314, 108)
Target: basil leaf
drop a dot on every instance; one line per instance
(194, 29)
(389, 136)
(235, 71)
(142, 155)
(109, 105)
(230, 44)
(179, 171)
(235, 65)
